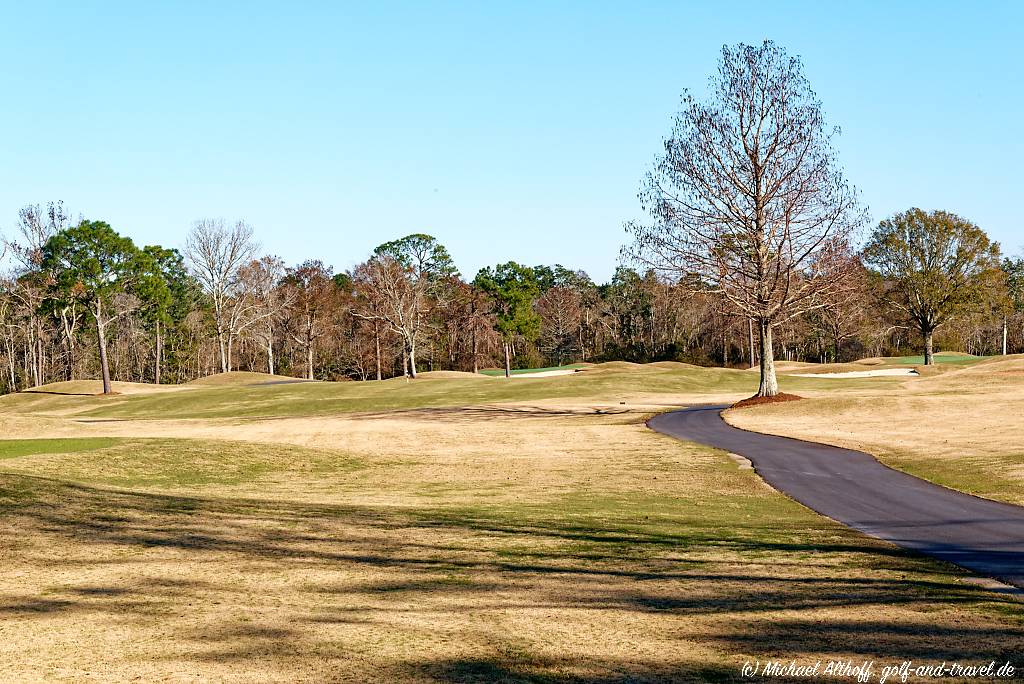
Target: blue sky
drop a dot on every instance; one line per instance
(508, 130)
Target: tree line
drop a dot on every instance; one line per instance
(755, 251)
(83, 301)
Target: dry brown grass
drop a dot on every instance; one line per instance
(556, 540)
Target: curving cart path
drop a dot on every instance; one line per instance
(856, 490)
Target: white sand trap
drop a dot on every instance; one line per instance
(861, 374)
(544, 374)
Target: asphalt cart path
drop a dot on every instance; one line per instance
(856, 490)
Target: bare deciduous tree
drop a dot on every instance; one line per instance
(843, 314)
(215, 254)
(313, 295)
(747, 195)
(561, 315)
(36, 225)
(395, 296)
(267, 300)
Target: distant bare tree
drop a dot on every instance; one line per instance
(394, 296)
(8, 324)
(215, 254)
(313, 296)
(477, 323)
(843, 315)
(267, 300)
(561, 315)
(36, 225)
(748, 195)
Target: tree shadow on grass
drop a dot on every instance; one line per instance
(767, 588)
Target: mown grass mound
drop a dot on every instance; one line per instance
(621, 365)
(673, 365)
(791, 365)
(237, 378)
(851, 367)
(442, 375)
(256, 395)
(604, 383)
(943, 357)
(95, 387)
(495, 372)
(1000, 373)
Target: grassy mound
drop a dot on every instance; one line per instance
(672, 365)
(430, 375)
(947, 357)
(236, 378)
(791, 365)
(527, 371)
(93, 387)
(256, 395)
(621, 365)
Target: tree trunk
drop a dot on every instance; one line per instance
(270, 353)
(376, 342)
(223, 352)
(508, 360)
(10, 363)
(309, 359)
(929, 350)
(1005, 333)
(156, 362)
(750, 332)
(41, 375)
(769, 383)
(69, 334)
(34, 355)
(412, 360)
(101, 336)
(835, 349)
(231, 345)
(476, 363)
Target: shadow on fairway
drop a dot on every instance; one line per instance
(443, 564)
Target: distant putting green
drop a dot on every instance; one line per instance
(525, 371)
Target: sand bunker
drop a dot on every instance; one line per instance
(861, 374)
(545, 374)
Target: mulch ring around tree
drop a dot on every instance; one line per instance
(757, 401)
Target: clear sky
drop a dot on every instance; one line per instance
(508, 130)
